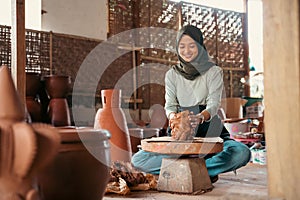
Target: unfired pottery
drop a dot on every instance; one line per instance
(112, 118)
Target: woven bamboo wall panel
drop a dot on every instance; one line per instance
(230, 39)
(38, 52)
(68, 53)
(151, 78)
(120, 16)
(5, 45)
(61, 54)
(163, 14)
(114, 73)
(205, 19)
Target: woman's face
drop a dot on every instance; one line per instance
(187, 48)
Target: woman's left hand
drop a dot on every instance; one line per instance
(196, 119)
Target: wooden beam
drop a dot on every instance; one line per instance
(18, 51)
(281, 46)
(246, 47)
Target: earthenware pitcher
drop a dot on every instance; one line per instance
(112, 118)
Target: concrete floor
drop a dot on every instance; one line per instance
(250, 183)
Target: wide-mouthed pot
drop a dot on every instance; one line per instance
(81, 168)
(57, 86)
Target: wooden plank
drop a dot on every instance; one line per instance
(282, 96)
(167, 145)
(18, 51)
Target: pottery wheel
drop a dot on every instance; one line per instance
(168, 145)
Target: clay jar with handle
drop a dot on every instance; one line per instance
(112, 118)
(80, 170)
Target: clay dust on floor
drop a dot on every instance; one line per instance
(250, 183)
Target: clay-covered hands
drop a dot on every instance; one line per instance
(181, 126)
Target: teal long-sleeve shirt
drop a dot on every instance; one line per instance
(206, 89)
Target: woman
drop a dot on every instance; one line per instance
(196, 84)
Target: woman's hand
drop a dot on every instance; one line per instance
(196, 119)
(180, 125)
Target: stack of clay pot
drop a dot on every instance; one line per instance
(58, 87)
(33, 86)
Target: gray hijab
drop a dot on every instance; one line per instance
(198, 66)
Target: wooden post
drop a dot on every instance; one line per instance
(18, 51)
(281, 34)
(246, 47)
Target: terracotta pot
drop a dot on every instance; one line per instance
(81, 168)
(112, 118)
(34, 109)
(33, 83)
(57, 86)
(136, 135)
(59, 112)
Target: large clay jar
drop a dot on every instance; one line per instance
(33, 83)
(112, 118)
(34, 109)
(59, 112)
(57, 86)
(81, 168)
